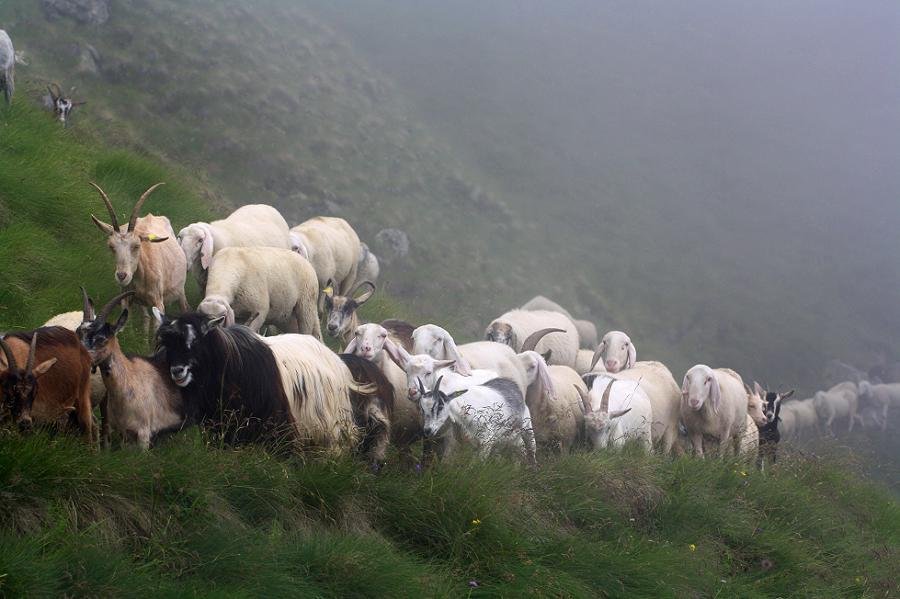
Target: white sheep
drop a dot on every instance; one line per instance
(583, 360)
(880, 398)
(587, 331)
(368, 267)
(841, 401)
(798, 418)
(714, 405)
(616, 352)
(268, 285)
(375, 343)
(554, 402)
(148, 260)
(435, 341)
(332, 247)
(7, 67)
(515, 326)
(617, 411)
(486, 415)
(253, 225)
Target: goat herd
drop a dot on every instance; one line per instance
(528, 384)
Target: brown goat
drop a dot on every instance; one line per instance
(57, 390)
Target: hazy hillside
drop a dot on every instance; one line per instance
(713, 191)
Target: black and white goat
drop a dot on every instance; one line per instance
(769, 436)
(62, 104)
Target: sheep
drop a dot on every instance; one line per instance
(376, 343)
(332, 247)
(368, 267)
(142, 401)
(880, 397)
(341, 318)
(554, 402)
(840, 401)
(7, 67)
(434, 341)
(616, 352)
(798, 417)
(583, 360)
(486, 414)
(62, 104)
(148, 259)
(274, 286)
(665, 397)
(253, 225)
(53, 387)
(714, 404)
(513, 327)
(587, 331)
(617, 411)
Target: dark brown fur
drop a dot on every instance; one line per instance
(401, 331)
(371, 413)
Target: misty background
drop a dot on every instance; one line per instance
(718, 179)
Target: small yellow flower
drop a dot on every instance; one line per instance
(692, 547)
(859, 579)
(743, 473)
(476, 522)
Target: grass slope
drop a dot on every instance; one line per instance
(193, 519)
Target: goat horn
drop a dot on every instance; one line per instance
(533, 339)
(29, 365)
(137, 207)
(109, 206)
(604, 401)
(10, 358)
(585, 399)
(360, 286)
(104, 313)
(86, 306)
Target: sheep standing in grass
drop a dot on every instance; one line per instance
(253, 225)
(515, 326)
(278, 286)
(714, 405)
(841, 401)
(7, 67)
(615, 412)
(148, 259)
(554, 402)
(332, 247)
(880, 398)
(798, 418)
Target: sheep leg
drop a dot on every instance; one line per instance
(697, 444)
(852, 418)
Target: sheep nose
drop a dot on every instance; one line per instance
(694, 403)
(612, 365)
(121, 276)
(413, 392)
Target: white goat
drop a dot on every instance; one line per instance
(714, 404)
(7, 67)
(148, 259)
(278, 286)
(254, 225)
(375, 343)
(332, 247)
(368, 268)
(881, 398)
(434, 341)
(554, 402)
(616, 352)
(485, 415)
(515, 326)
(617, 411)
(587, 331)
(841, 401)
(748, 446)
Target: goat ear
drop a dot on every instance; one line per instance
(206, 250)
(396, 353)
(229, 316)
(632, 355)
(43, 367)
(758, 390)
(618, 413)
(684, 386)
(788, 394)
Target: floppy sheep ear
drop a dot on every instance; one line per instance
(206, 250)
(632, 355)
(351, 347)
(229, 316)
(684, 386)
(715, 394)
(396, 353)
(43, 367)
(618, 413)
(546, 380)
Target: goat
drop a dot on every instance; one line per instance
(769, 436)
(148, 259)
(142, 401)
(341, 317)
(371, 413)
(62, 104)
(57, 390)
(7, 67)
(623, 413)
(553, 401)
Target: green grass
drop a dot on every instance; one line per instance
(191, 519)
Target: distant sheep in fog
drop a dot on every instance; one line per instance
(840, 401)
(880, 398)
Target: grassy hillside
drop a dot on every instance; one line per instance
(192, 519)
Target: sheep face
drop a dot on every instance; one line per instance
(422, 369)
(429, 340)
(617, 352)
(368, 341)
(196, 242)
(699, 386)
(501, 332)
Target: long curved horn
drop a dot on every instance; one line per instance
(109, 206)
(87, 308)
(10, 358)
(104, 313)
(585, 399)
(604, 401)
(136, 211)
(533, 339)
(29, 365)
